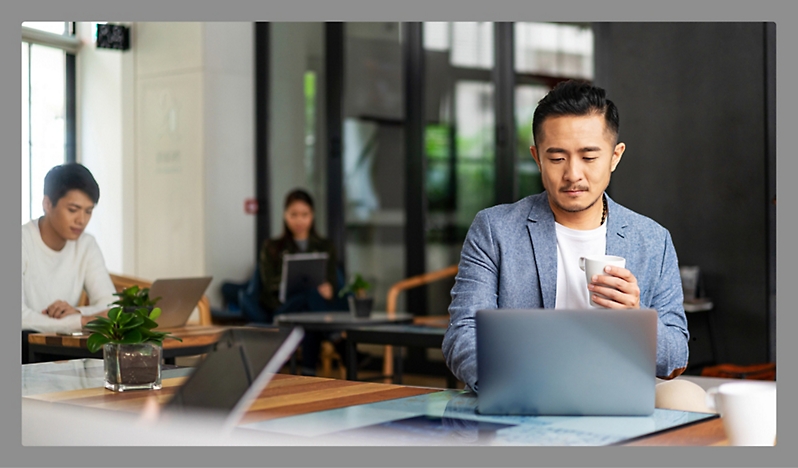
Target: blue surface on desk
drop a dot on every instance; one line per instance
(449, 418)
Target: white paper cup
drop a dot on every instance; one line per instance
(748, 411)
(594, 265)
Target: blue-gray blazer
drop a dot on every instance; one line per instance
(509, 261)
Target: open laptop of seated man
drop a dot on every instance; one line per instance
(525, 255)
(60, 260)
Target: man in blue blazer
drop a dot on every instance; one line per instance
(525, 255)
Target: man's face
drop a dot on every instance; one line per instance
(576, 155)
(70, 215)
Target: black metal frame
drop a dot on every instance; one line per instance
(506, 187)
(42, 353)
(71, 112)
(262, 85)
(415, 163)
(333, 107)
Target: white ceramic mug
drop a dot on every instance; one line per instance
(748, 411)
(594, 265)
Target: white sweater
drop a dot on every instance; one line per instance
(49, 275)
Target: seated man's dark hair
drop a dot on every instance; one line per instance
(61, 179)
(577, 98)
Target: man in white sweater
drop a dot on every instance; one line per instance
(60, 260)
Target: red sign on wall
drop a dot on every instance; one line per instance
(251, 206)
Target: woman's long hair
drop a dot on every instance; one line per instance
(287, 237)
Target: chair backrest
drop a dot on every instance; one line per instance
(122, 282)
(249, 299)
(410, 283)
(414, 282)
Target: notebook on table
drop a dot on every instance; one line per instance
(230, 378)
(301, 272)
(599, 362)
(179, 297)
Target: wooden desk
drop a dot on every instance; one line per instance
(197, 339)
(286, 395)
(291, 396)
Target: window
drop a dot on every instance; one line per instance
(54, 27)
(545, 53)
(47, 120)
(554, 49)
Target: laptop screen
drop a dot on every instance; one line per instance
(566, 362)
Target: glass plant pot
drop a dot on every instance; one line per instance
(132, 366)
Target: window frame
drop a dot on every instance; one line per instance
(70, 45)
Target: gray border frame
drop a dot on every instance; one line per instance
(232, 10)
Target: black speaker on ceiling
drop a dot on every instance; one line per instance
(113, 36)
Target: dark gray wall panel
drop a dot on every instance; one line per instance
(691, 98)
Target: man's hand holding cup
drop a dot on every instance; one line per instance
(609, 283)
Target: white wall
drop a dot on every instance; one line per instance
(167, 129)
(229, 97)
(170, 166)
(103, 90)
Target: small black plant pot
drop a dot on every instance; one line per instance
(361, 307)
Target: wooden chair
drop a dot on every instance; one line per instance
(410, 283)
(121, 282)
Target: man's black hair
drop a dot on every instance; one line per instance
(61, 179)
(577, 98)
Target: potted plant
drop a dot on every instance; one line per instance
(131, 347)
(360, 303)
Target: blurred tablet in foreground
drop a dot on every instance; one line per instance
(230, 378)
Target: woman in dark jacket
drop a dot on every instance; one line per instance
(299, 236)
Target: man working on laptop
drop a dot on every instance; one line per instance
(525, 255)
(59, 260)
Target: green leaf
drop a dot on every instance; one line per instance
(125, 318)
(148, 324)
(102, 320)
(113, 314)
(156, 312)
(96, 341)
(174, 338)
(133, 337)
(134, 322)
(99, 328)
(149, 334)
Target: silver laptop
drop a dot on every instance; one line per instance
(599, 362)
(179, 297)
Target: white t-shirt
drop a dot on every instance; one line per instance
(49, 275)
(572, 290)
